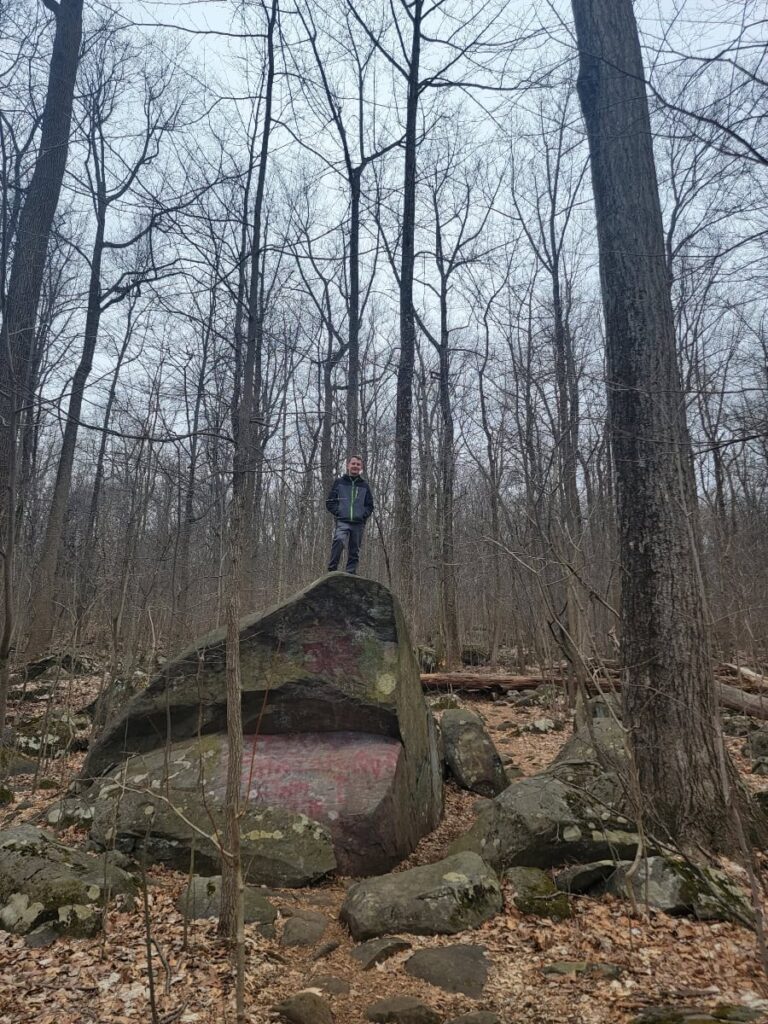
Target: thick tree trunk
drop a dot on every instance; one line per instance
(25, 284)
(670, 702)
(404, 402)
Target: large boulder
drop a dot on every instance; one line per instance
(336, 729)
(449, 896)
(168, 802)
(573, 811)
(470, 755)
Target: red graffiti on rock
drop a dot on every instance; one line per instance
(326, 776)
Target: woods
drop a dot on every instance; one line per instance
(513, 259)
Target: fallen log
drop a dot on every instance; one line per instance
(749, 680)
(475, 681)
(754, 705)
(731, 697)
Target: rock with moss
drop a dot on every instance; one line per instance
(335, 722)
(679, 887)
(42, 880)
(470, 754)
(70, 811)
(444, 898)
(573, 811)
(536, 893)
(171, 806)
(202, 899)
(54, 734)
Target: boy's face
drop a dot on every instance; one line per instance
(355, 467)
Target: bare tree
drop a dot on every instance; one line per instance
(25, 283)
(669, 697)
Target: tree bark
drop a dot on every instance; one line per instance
(25, 284)
(405, 368)
(669, 696)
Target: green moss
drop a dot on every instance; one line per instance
(535, 893)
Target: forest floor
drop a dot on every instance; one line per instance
(663, 960)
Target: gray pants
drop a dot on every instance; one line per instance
(349, 535)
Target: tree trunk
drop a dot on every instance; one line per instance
(670, 703)
(25, 283)
(404, 401)
(42, 619)
(353, 356)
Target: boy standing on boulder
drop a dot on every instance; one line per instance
(350, 502)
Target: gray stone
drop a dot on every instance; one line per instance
(470, 755)
(449, 896)
(575, 810)
(330, 983)
(304, 928)
(43, 936)
(573, 967)
(305, 1008)
(402, 1010)
(163, 800)
(47, 872)
(331, 684)
(79, 921)
(202, 899)
(326, 949)
(584, 878)
(462, 968)
(20, 915)
(756, 746)
(739, 1014)
(536, 893)
(70, 811)
(679, 887)
(476, 1017)
(376, 951)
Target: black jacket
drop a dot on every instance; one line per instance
(350, 499)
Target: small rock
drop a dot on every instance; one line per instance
(573, 967)
(78, 921)
(470, 755)
(731, 1012)
(305, 1008)
(43, 936)
(376, 951)
(535, 893)
(584, 877)
(70, 811)
(329, 983)
(20, 916)
(543, 725)
(304, 928)
(202, 899)
(461, 968)
(449, 896)
(756, 746)
(477, 1017)
(326, 949)
(402, 1010)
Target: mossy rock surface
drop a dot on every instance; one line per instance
(470, 754)
(44, 872)
(573, 811)
(444, 898)
(335, 726)
(536, 893)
